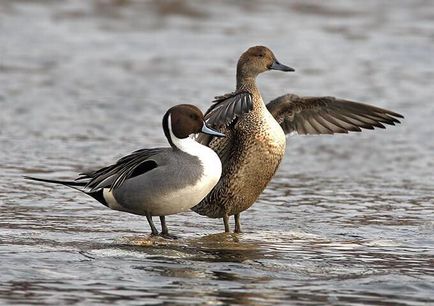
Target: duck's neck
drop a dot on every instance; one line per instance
(187, 145)
(248, 83)
(245, 81)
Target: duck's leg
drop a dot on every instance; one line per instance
(237, 223)
(226, 222)
(164, 229)
(154, 230)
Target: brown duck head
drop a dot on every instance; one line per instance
(256, 60)
(182, 120)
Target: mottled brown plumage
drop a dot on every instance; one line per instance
(254, 140)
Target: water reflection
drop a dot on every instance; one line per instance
(222, 247)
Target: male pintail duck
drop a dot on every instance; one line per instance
(255, 133)
(158, 181)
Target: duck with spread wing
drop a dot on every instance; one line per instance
(255, 133)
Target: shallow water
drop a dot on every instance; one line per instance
(347, 219)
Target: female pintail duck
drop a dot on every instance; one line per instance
(255, 133)
(158, 181)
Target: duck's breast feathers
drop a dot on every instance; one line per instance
(113, 176)
(327, 115)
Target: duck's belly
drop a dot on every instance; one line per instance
(252, 176)
(180, 200)
(152, 201)
(254, 164)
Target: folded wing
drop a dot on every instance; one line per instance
(137, 163)
(327, 115)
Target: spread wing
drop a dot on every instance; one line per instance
(327, 115)
(228, 107)
(113, 176)
(222, 114)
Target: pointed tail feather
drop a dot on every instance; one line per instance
(97, 195)
(71, 184)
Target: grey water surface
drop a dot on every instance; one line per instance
(347, 220)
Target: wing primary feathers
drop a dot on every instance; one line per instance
(352, 126)
(323, 124)
(325, 115)
(334, 121)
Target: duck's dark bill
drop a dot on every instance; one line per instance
(210, 131)
(278, 66)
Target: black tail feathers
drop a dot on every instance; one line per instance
(98, 195)
(71, 184)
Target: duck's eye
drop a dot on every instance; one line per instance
(260, 55)
(194, 117)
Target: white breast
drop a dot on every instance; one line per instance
(186, 198)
